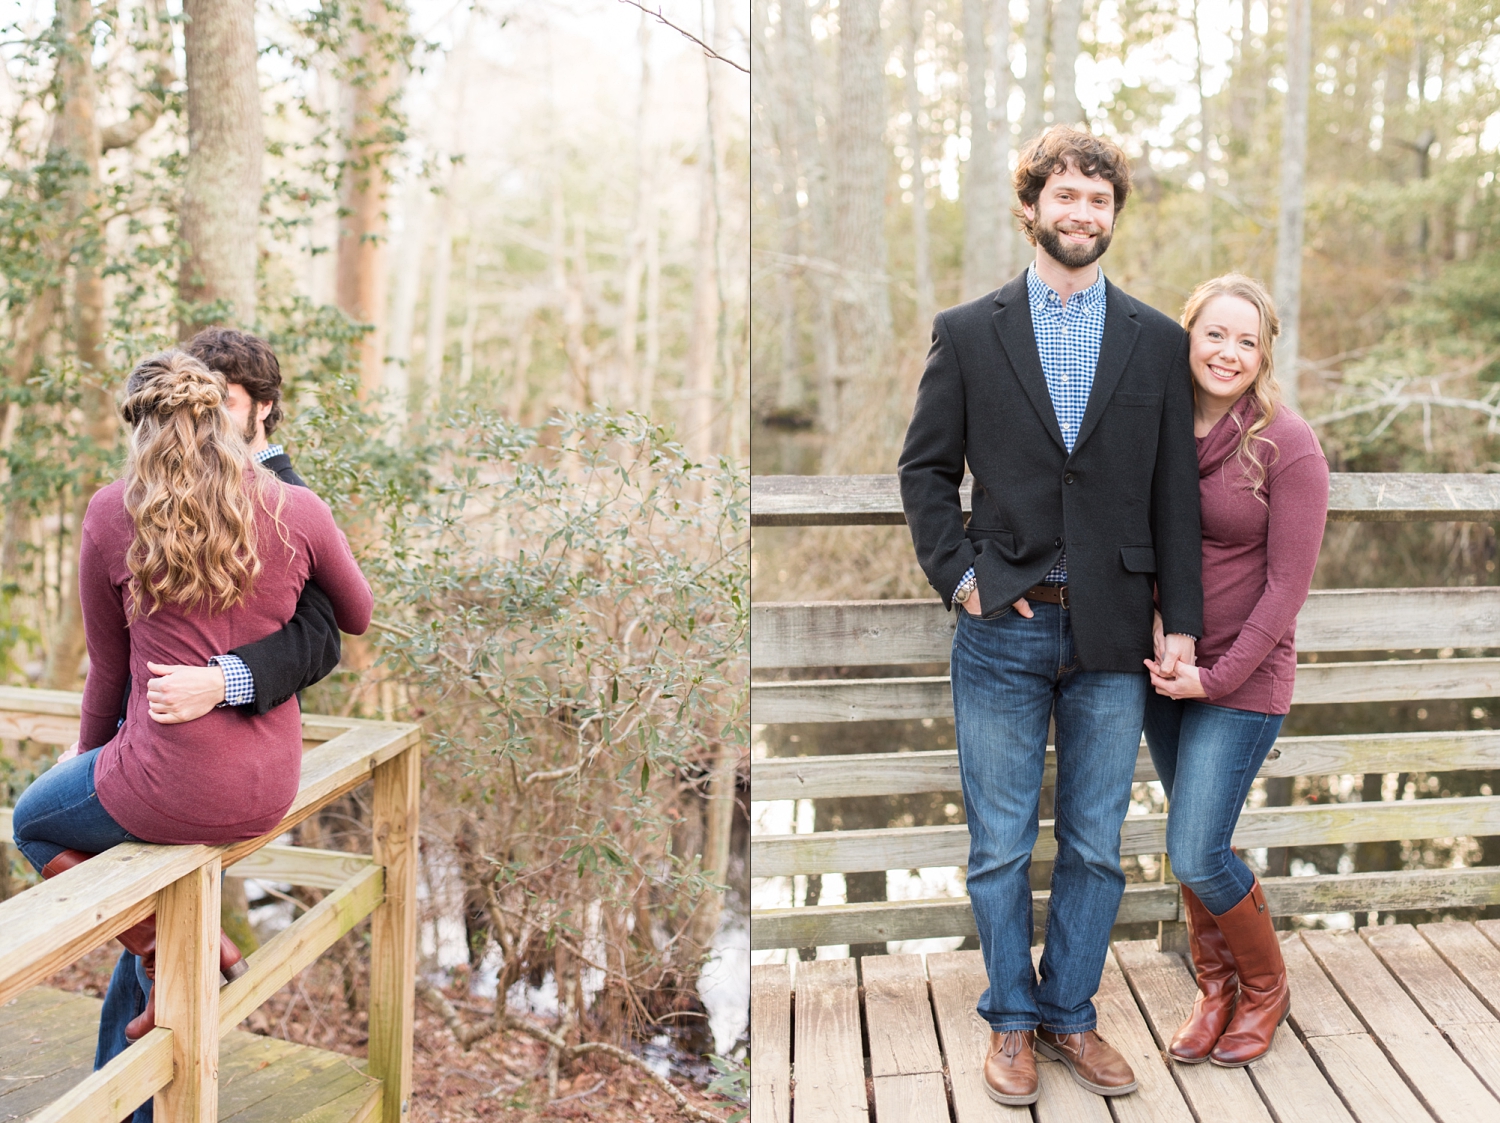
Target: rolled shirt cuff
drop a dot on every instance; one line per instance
(239, 683)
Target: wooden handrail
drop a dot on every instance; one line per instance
(1353, 497)
(54, 923)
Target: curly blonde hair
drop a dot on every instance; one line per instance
(1265, 391)
(186, 489)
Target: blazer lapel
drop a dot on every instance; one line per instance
(1013, 325)
(1121, 330)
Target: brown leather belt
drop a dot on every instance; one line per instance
(1049, 594)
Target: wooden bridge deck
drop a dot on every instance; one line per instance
(47, 1046)
(1393, 1024)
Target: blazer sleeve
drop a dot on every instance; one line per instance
(304, 652)
(931, 469)
(1176, 529)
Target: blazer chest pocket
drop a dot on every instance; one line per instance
(1138, 559)
(1141, 401)
(1005, 539)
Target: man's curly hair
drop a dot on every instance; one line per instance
(1056, 150)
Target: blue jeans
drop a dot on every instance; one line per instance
(1207, 756)
(61, 811)
(1010, 675)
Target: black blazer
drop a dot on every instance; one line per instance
(306, 650)
(1124, 504)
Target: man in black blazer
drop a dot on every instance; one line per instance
(1071, 404)
(258, 676)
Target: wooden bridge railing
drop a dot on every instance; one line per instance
(53, 924)
(805, 636)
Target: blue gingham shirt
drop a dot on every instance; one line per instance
(239, 683)
(1068, 337)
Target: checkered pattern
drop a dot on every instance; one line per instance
(266, 453)
(1067, 341)
(239, 683)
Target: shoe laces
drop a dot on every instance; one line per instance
(1012, 1043)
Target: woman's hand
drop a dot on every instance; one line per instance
(1183, 684)
(179, 694)
(69, 753)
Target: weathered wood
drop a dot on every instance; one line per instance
(828, 1062)
(956, 980)
(908, 699)
(1291, 1085)
(882, 921)
(115, 1090)
(1158, 1099)
(292, 949)
(393, 927)
(1442, 995)
(301, 865)
(1385, 892)
(898, 1016)
(1164, 990)
(1063, 1099)
(916, 1098)
(1352, 497)
(1472, 958)
(1443, 1082)
(895, 848)
(187, 999)
(1354, 1064)
(865, 774)
(897, 632)
(771, 1043)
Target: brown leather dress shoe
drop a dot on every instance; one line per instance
(1093, 1061)
(1265, 999)
(1218, 985)
(1010, 1068)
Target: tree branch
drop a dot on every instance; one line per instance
(661, 19)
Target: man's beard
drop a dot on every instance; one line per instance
(1068, 253)
(250, 426)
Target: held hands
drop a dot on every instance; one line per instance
(179, 694)
(1173, 673)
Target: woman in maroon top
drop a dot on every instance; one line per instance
(1263, 486)
(197, 550)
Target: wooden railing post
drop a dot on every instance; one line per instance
(393, 930)
(187, 1000)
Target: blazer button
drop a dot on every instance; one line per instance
(1057, 541)
(1068, 478)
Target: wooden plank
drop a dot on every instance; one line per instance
(1472, 958)
(1164, 991)
(115, 1090)
(828, 1064)
(915, 1098)
(1444, 997)
(301, 865)
(907, 699)
(898, 1016)
(898, 632)
(897, 848)
(956, 980)
(771, 1043)
(1353, 497)
(1158, 1099)
(279, 960)
(187, 993)
(1063, 1099)
(1365, 1080)
(1441, 1080)
(1290, 1083)
(29, 1004)
(878, 922)
(1385, 892)
(358, 1105)
(1318, 1010)
(393, 927)
(899, 773)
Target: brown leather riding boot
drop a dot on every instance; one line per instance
(1093, 1061)
(1265, 999)
(1010, 1068)
(1218, 985)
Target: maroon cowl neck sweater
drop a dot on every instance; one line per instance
(1258, 558)
(227, 775)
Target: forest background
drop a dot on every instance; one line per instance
(1344, 151)
(500, 249)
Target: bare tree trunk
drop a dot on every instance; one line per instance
(1288, 276)
(1000, 122)
(981, 187)
(435, 347)
(647, 391)
(408, 285)
(921, 252)
(635, 256)
(1205, 158)
(1034, 84)
(222, 183)
(703, 335)
(1065, 107)
(863, 313)
(471, 309)
(373, 87)
(1240, 106)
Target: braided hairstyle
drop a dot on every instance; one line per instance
(187, 490)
